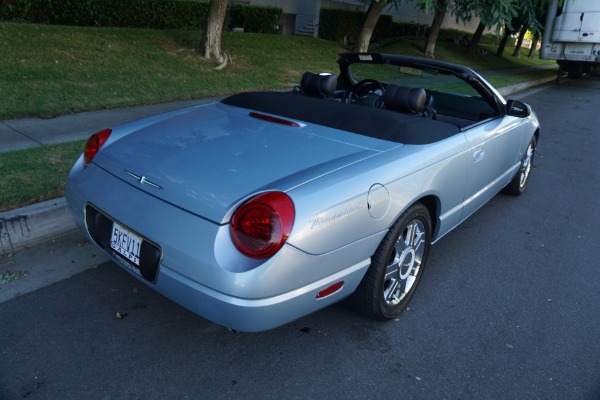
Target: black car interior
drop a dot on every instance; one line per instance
(375, 122)
(384, 110)
(459, 110)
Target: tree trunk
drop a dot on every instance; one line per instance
(371, 18)
(436, 25)
(475, 40)
(517, 52)
(210, 44)
(533, 48)
(503, 41)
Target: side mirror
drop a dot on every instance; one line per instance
(517, 108)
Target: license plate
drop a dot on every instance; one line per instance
(126, 243)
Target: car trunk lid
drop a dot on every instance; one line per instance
(210, 158)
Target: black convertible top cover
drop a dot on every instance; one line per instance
(373, 122)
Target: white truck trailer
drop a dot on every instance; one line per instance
(572, 36)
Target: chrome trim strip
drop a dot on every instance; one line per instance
(142, 180)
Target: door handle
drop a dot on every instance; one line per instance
(478, 154)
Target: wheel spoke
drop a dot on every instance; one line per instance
(419, 240)
(392, 279)
(401, 246)
(416, 239)
(390, 294)
(393, 270)
(409, 281)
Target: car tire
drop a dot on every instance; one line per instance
(518, 184)
(396, 267)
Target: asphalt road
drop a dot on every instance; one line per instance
(509, 308)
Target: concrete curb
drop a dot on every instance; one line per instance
(519, 87)
(30, 225)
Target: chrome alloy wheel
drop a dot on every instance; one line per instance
(526, 166)
(397, 266)
(404, 267)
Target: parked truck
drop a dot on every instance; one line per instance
(572, 36)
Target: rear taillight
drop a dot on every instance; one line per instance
(93, 145)
(260, 226)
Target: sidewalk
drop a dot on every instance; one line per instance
(48, 225)
(24, 133)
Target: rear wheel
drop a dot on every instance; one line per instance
(517, 186)
(397, 266)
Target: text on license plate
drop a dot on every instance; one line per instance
(126, 243)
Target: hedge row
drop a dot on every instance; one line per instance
(259, 19)
(155, 14)
(344, 25)
(158, 14)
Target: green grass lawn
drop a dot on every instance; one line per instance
(51, 70)
(37, 174)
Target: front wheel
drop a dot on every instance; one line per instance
(517, 186)
(396, 267)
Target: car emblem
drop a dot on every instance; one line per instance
(142, 180)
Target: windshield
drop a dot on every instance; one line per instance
(412, 77)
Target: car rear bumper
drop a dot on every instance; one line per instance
(253, 315)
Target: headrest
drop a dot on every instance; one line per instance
(404, 99)
(316, 85)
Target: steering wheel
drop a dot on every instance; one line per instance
(366, 89)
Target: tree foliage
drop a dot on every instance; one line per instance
(491, 13)
(506, 16)
(531, 14)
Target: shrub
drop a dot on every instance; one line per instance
(345, 25)
(340, 24)
(158, 14)
(258, 19)
(14, 10)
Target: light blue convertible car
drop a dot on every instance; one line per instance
(264, 207)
